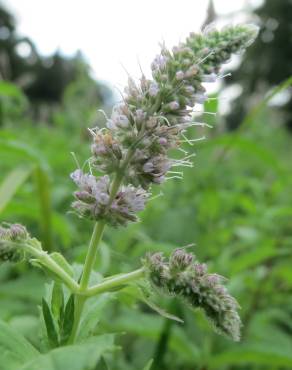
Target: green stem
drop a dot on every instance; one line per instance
(79, 305)
(90, 261)
(91, 254)
(115, 282)
(88, 265)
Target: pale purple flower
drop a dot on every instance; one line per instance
(174, 105)
(192, 71)
(200, 98)
(159, 63)
(153, 89)
(179, 75)
(209, 78)
(189, 89)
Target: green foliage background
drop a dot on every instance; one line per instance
(235, 205)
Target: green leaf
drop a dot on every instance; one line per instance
(259, 107)
(21, 150)
(92, 313)
(251, 355)
(11, 90)
(57, 301)
(77, 357)
(144, 293)
(68, 320)
(150, 326)
(62, 262)
(161, 311)
(44, 195)
(50, 325)
(253, 257)
(14, 348)
(11, 183)
(28, 288)
(148, 365)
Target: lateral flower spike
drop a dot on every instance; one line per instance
(185, 277)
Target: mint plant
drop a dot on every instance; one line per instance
(129, 156)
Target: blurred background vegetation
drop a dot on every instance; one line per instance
(235, 204)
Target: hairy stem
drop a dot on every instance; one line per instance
(91, 254)
(54, 267)
(88, 265)
(92, 251)
(115, 282)
(79, 305)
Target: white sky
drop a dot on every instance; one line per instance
(113, 33)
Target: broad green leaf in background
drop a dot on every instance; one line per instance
(251, 355)
(29, 287)
(37, 167)
(286, 84)
(94, 309)
(14, 348)
(148, 365)
(77, 357)
(254, 112)
(13, 102)
(44, 195)
(11, 183)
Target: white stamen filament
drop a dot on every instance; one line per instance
(103, 113)
(223, 76)
(75, 159)
(156, 196)
(200, 61)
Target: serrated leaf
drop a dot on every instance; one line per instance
(68, 321)
(14, 348)
(50, 325)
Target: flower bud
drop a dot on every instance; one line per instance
(192, 71)
(179, 75)
(153, 89)
(12, 239)
(200, 98)
(209, 78)
(180, 260)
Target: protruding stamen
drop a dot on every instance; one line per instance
(75, 159)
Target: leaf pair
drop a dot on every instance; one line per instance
(59, 318)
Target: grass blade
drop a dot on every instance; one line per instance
(11, 184)
(44, 195)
